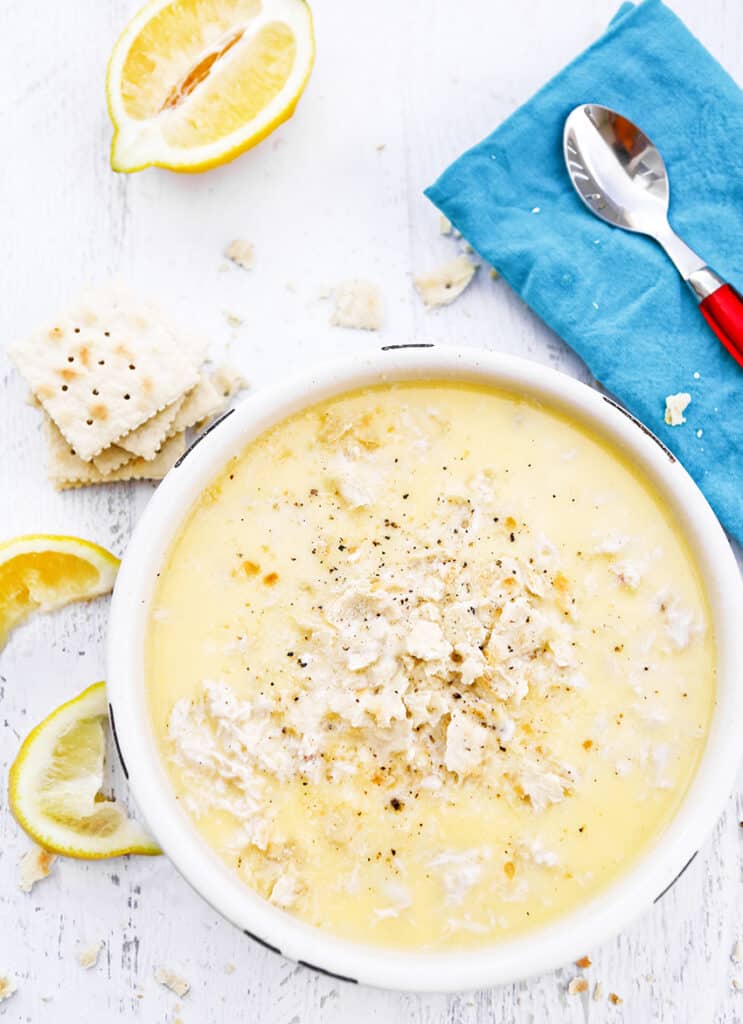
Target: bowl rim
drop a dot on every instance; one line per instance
(538, 950)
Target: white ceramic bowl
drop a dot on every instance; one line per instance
(539, 950)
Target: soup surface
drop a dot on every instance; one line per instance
(429, 665)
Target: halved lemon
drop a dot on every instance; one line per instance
(55, 784)
(43, 571)
(193, 83)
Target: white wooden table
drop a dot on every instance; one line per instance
(399, 89)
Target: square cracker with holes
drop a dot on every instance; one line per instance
(147, 439)
(106, 365)
(208, 398)
(66, 469)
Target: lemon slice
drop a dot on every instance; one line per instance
(193, 83)
(41, 571)
(54, 787)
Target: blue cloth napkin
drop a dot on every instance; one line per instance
(614, 296)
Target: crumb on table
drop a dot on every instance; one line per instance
(36, 864)
(358, 304)
(172, 981)
(88, 957)
(7, 988)
(241, 252)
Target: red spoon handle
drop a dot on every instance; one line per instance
(723, 311)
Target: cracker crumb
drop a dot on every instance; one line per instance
(585, 961)
(444, 225)
(577, 985)
(88, 957)
(229, 968)
(598, 991)
(358, 304)
(36, 864)
(7, 988)
(172, 981)
(675, 407)
(380, 146)
(736, 985)
(233, 319)
(445, 284)
(494, 275)
(241, 252)
(736, 954)
(615, 999)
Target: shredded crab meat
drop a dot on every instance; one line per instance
(424, 667)
(460, 870)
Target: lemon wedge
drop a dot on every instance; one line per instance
(41, 572)
(55, 782)
(193, 83)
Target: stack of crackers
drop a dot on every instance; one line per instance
(120, 385)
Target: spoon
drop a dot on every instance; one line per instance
(620, 176)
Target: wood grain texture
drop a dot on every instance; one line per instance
(322, 202)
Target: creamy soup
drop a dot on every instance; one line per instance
(429, 665)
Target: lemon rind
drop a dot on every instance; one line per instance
(136, 148)
(133, 838)
(106, 564)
